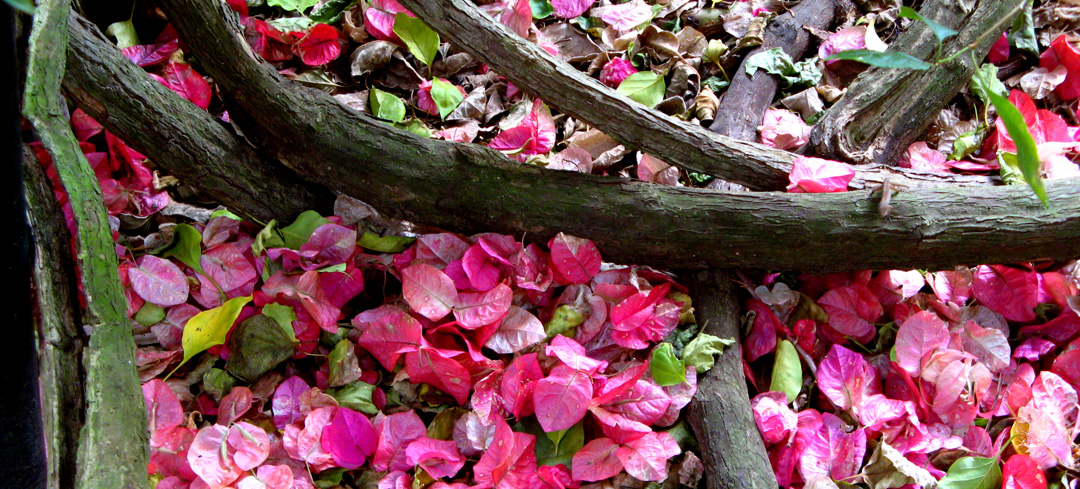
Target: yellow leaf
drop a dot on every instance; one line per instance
(208, 328)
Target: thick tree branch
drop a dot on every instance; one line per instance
(720, 412)
(885, 110)
(745, 100)
(470, 188)
(113, 449)
(229, 170)
(679, 143)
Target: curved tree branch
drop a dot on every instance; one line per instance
(470, 188)
(228, 169)
(682, 144)
(885, 110)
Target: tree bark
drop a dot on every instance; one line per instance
(469, 188)
(184, 140)
(113, 447)
(885, 110)
(745, 100)
(60, 340)
(720, 412)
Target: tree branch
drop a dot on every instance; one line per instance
(469, 188)
(113, 446)
(228, 170)
(685, 145)
(885, 110)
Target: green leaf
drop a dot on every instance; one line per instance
(774, 61)
(386, 105)
(223, 212)
(417, 36)
(1010, 168)
(683, 435)
(716, 84)
(150, 314)
(329, 478)
(331, 12)
(644, 87)
(291, 24)
(298, 233)
(442, 427)
(561, 447)
(880, 59)
(355, 396)
(787, 371)
(125, 34)
(24, 6)
(293, 5)
(186, 246)
(283, 316)
(563, 320)
(1026, 152)
(257, 346)
(940, 32)
(985, 80)
(269, 237)
(1022, 32)
(700, 351)
(384, 244)
(340, 267)
(541, 9)
(217, 383)
(415, 126)
(666, 368)
(208, 328)
(344, 366)
(447, 97)
(972, 473)
(966, 144)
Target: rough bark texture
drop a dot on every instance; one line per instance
(685, 145)
(60, 341)
(113, 450)
(228, 170)
(468, 188)
(885, 110)
(745, 100)
(720, 411)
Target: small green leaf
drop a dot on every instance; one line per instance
(125, 34)
(700, 351)
(355, 396)
(291, 24)
(418, 37)
(442, 427)
(24, 6)
(972, 473)
(1010, 169)
(683, 435)
(223, 212)
(331, 12)
(344, 366)
(298, 233)
(985, 80)
(666, 368)
(186, 246)
(386, 106)
(541, 9)
(716, 84)
(563, 445)
(329, 478)
(787, 371)
(208, 328)
(880, 59)
(1026, 152)
(966, 144)
(384, 244)
(150, 314)
(282, 315)
(774, 61)
(415, 126)
(269, 237)
(644, 87)
(940, 32)
(447, 97)
(563, 320)
(217, 383)
(257, 346)
(293, 5)
(1022, 32)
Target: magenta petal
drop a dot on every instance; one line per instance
(350, 438)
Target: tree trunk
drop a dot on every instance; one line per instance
(720, 412)
(885, 110)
